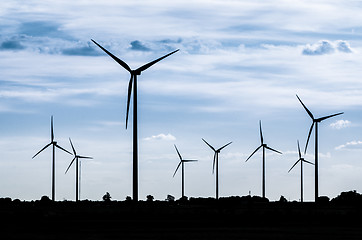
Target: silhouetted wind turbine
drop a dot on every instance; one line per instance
(262, 145)
(315, 122)
(54, 144)
(216, 162)
(182, 161)
(76, 158)
(133, 81)
(301, 160)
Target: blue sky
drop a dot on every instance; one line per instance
(239, 62)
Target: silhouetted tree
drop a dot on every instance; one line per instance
(45, 199)
(351, 197)
(282, 199)
(107, 197)
(128, 199)
(150, 198)
(170, 198)
(323, 199)
(5, 200)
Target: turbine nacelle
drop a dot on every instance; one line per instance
(136, 72)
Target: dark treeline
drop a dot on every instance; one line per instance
(234, 217)
(350, 197)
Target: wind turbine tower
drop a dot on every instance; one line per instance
(315, 122)
(264, 146)
(54, 144)
(216, 162)
(301, 160)
(77, 171)
(181, 163)
(133, 82)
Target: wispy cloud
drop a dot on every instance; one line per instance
(326, 47)
(162, 137)
(353, 145)
(139, 46)
(340, 124)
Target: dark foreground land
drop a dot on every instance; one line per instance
(209, 219)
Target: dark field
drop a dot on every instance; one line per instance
(198, 219)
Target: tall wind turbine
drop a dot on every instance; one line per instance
(301, 160)
(181, 163)
(133, 81)
(264, 146)
(76, 158)
(216, 162)
(54, 144)
(315, 122)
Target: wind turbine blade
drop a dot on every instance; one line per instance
(42, 150)
(51, 129)
(84, 157)
(300, 155)
(63, 149)
(310, 132)
(253, 152)
(189, 160)
(144, 67)
(178, 152)
(119, 61)
(323, 118)
(213, 164)
(129, 97)
(72, 147)
(178, 166)
(70, 165)
(294, 165)
(223, 146)
(261, 133)
(309, 113)
(209, 145)
(273, 150)
(307, 161)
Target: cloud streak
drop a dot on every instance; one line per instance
(162, 137)
(340, 124)
(325, 47)
(353, 145)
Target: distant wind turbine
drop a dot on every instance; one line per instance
(133, 81)
(76, 158)
(54, 144)
(264, 146)
(216, 162)
(181, 163)
(301, 160)
(315, 122)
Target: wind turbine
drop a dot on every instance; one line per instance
(216, 161)
(54, 144)
(181, 163)
(76, 158)
(301, 160)
(315, 122)
(264, 146)
(133, 81)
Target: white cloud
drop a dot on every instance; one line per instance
(340, 124)
(350, 145)
(326, 47)
(161, 136)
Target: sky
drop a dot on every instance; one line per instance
(240, 62)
